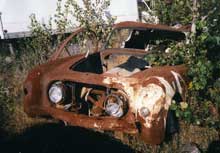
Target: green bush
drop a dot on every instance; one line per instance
(200, 53)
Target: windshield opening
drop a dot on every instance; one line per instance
(143, 38)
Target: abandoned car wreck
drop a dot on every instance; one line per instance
(114, 88)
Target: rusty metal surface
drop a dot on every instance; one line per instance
(151, 88)
(131, 24)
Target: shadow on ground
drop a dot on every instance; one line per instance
(56, 138)
(214, 147)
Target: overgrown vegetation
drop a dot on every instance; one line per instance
(200, 53)
(37, 49)
(90, 15)
(6, 105)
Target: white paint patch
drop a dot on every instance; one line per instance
(174, 85)
(177, 76)
(169, 91)
(153, 96)
(96, 126)
(150, 97)
(147, 97)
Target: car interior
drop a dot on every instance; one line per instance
(149, 40)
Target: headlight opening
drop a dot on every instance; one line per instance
(56, 92)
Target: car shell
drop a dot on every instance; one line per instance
(153, 88)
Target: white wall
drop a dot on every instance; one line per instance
(15, 13)
(125, 10)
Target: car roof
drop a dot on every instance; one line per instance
(132, 24)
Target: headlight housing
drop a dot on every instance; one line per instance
(144, 111)
(116, 105)
(56, 92)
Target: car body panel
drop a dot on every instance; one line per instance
(151, 88)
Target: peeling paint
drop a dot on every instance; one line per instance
(152, 96)
(169, 91)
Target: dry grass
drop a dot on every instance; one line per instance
(202, 136)
(19, 121)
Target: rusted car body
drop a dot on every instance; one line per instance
(112, 89)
